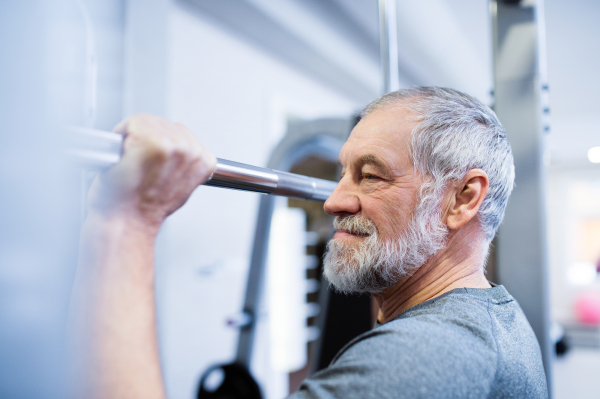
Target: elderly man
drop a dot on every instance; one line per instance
(426, 175)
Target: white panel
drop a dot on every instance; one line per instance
(286, 284)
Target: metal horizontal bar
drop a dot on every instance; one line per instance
(96, 149)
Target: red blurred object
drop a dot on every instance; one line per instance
(587, 308)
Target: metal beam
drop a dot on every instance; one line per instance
(253, 25)
(388, 39)
(520, 86)
(341, 21)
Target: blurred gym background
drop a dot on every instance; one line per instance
(278, 83)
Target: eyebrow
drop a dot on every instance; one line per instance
(370, 159)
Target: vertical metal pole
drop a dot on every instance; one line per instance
(256, 279)
(520, 86)
(388, 41)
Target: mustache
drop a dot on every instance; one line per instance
(355, 224)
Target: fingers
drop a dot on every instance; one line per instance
(162, 163)
(173, 140)
(121, 127)
(202, 161)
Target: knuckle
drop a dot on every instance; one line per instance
(158, 149)
(179, 152)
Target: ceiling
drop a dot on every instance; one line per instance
(441, 42)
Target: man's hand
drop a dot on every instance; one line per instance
(161, 166)
(112, 315)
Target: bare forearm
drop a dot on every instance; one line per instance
(113, 316)
(113, 310)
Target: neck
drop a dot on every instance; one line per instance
(460, 264)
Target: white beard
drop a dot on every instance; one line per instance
(374, 264)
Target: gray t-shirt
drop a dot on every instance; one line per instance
(466, 343)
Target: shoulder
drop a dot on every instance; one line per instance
(442, 350)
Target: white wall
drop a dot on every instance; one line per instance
(236, 99)
(41, 88)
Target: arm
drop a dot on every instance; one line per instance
(112, 316)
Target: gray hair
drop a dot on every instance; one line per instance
(456, 133)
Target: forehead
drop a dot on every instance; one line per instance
(384, 133)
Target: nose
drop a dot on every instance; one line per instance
(344, 200)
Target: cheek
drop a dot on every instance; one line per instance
(392, 211)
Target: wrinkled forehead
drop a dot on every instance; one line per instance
(385, 133)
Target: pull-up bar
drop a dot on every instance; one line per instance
(97, 149)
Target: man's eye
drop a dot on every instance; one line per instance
(369, 176)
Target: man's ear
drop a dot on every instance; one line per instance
(465, 198)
